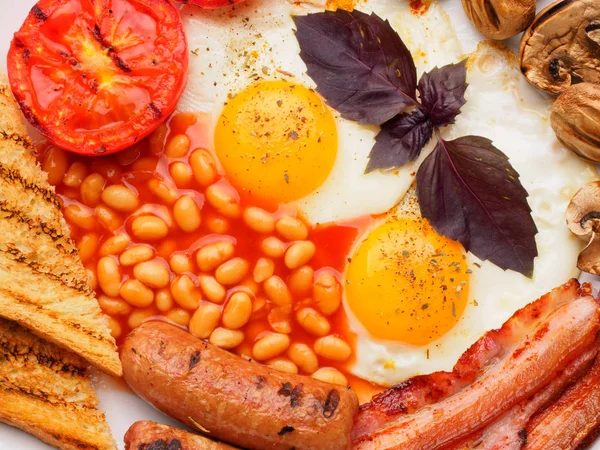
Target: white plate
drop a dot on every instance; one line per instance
(122, 407)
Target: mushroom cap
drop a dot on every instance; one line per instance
(575, 118)
(583, 212)
(562, 46)
(583, 219)
(500, 19)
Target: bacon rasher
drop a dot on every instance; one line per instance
(502, 369)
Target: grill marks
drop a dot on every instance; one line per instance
(112, 52)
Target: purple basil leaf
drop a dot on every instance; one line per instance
(400, 140)
(443, 92)
(360, 64)
(469, 192)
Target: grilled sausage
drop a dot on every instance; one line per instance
(147, 435)
(232, 399)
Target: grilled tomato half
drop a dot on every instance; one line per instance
(95, 76)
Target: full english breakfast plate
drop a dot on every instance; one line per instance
(317, 224)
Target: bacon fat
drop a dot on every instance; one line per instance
(502, 369)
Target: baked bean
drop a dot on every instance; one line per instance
(213, 255)
(250, 284)
(299, 254)
(216, 223)
(55, 164)
(91, 189)
(163, 191)
(330, 375)
(115, 328)
(327, 294)
(109, 276)
(184, 292)
(203, 167)
(273, 247)
(263, 269)
(270, 345)
(313, 322)
(332, 347)
(277, 291)
(149, 228)
(115, 245)
(301, 281)
(163, 299)
(136, 293)
(303, 356)
(212, 289)
(75, 175)
(136, 255)
(80, 216)
(87, 245)
(232, 271)
(291, 228)
(180, 263)
(244, 350)
(181, 174)
(156, 140)
(259, 220)
(187, 214)
(114, 306)
(181, 121)
(138, 316)
(108, 218)
(145, 164)
(204, 320)
(179, 316)
(259, 308)
(108, 169)
(279, 319)
(220, 198)
(120, 197)
(237, 311)
(178, 146)
(282, 365)
(226, 339)
(92, 279)
(152, 274)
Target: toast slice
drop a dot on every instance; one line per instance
(46, 391)
(43, 285)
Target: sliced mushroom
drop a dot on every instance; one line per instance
(500, 19)
(575, 118)
(562, 46)
(583, 219)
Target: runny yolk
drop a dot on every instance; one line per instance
(276, 141)
(407, 283)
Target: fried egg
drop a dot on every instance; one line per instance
(417, 300)
(275, 138)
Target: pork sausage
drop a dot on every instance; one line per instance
(145, 435)
(233, 399)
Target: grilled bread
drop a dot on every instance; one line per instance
(45, 391)
(43, 284)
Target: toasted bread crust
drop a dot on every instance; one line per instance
(43, 284)
(46, 391)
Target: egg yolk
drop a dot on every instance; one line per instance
(276, 141)
(407, 283)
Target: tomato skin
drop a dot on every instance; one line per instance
(210, 4)
(96, 76)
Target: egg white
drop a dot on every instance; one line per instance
(235, 47)
(503, 107)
